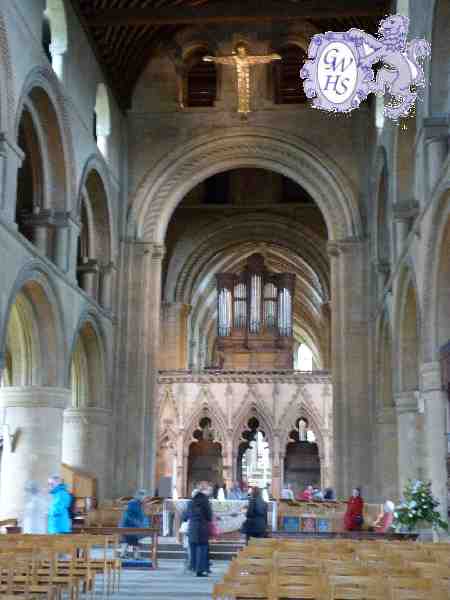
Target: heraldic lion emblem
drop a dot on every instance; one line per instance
(401, 68)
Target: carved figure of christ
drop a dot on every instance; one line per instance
(242, 62)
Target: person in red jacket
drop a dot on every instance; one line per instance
(353, 518)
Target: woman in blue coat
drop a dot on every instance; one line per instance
(59, 520)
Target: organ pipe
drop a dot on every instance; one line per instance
(255, 299)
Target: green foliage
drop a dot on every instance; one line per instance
(418, 506)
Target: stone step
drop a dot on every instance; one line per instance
(218, 551)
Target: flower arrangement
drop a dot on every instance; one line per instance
(418, 506)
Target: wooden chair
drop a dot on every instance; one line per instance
(414, 588)
(241, 589)
(355, 588)
(306, 587)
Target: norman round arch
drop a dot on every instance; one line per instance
(41, 320)
(94, 172)
(163, 188)
(41, 89)
(89, 349)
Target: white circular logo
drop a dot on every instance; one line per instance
(337, 72)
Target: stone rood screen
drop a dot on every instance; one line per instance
(254, 311)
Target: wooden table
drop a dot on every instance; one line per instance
(152, 532)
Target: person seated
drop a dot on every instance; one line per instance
(385, 519)
(134, 517)
(328, 494)
(236, 492)
(317, 495)
(353, 518)
(256, 523)
(307, 494)
(287, 492)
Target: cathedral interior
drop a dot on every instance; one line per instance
(204, 277)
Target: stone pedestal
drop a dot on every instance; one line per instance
(85, 443)
(32, 441)
(435, 428)
(406, 407)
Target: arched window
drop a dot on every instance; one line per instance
(102, 119)
(288, 85)
(200, 80)
(54, 34)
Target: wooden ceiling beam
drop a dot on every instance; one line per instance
(251, 11)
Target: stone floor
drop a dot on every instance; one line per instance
(168, 582)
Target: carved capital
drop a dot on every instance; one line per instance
(406, 402)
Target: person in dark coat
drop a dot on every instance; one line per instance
(200, 516)
(256, 523)
(134, 516)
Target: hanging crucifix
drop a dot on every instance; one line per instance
(242, 62)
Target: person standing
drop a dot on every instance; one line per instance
(353, 518)
(35, 514)
(256, 523)
(200, 518)
(58, 515)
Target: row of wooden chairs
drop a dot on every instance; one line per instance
(52, 566)
(337, 570)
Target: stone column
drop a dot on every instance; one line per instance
(154, 322)
(32, 441)
(41, 223)
(61, 242)
(386, 454)
(349, 305)
(437, 147)
(85, 443)
(276, 472)
(11, 158)
(174, 340)
(406, 407)
(73, 233)
(436, 446)
(89, 276)
(107, 273)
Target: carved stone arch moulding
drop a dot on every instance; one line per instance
(252, 407)
(300, 407)
(45, 79)
(176, 174)
(7, 100)
(96, 163)
(218, 425)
